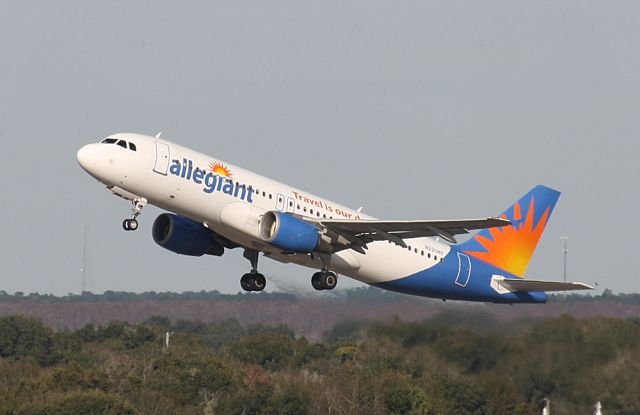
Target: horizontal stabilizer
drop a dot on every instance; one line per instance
(516, 284)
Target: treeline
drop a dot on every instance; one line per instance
(450, 364)
(354, 294)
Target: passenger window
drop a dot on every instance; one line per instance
(311, 211)
(429, 255)
(270, 196)
(422, 253)
(435, 257)
(132, 146)
(122, 143)
(305, 208)
(298, 207)
(264, 194)
(290, 204)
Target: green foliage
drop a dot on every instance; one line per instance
(158, 321)
(269, 350)
(443, 365)
(345, 331)
(402, 397)
(27, 337)
(291, 400)
(120, 332)
(189, 377)
(82, 402)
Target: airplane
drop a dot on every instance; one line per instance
(216, 206)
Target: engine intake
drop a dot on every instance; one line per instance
(287, 232)
(184, 236)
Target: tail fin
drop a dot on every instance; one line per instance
(511, 247)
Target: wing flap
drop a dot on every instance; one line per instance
(515, 284)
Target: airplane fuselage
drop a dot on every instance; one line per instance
(231, 201)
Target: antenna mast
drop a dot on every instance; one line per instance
(87, 284)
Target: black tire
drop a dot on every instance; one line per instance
(133, 224)
(315, 281)
(246, 282)
(125, 225)
(329, 280)
(258, 282)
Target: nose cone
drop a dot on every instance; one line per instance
(89, 157)
(84, 157)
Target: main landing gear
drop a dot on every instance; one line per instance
(132, 224)
(324, 280)
(253, 281)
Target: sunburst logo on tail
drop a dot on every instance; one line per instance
(510, 248)
(220, 169)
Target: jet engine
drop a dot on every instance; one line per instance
(184, 236)
(289, 233)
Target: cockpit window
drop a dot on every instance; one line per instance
(121, 143)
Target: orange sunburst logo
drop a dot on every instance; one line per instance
(511, 247)
(220, 169)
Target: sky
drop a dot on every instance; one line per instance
(412, 109)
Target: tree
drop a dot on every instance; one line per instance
(27, 337)
(83, 402)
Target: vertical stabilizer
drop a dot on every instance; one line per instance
(510, 248)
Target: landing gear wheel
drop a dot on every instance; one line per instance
(328, 280)
(259, 282)
(133, 224)
(246, 282)
(253, 282)
(315, 281)
(324, 280)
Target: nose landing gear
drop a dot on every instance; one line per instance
(132, 224)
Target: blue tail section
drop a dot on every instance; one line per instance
(467, 271)
(510, 248)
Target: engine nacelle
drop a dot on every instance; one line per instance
(287, 232)
(184, 236)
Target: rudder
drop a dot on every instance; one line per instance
(510, 248)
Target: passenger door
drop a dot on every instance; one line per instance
(162, 158)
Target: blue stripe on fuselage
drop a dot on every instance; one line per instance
(440, 282)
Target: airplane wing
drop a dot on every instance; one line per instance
(356, 234)
(516, 284)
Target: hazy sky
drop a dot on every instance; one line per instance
(414, 109)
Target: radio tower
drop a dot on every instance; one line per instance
(87, 282)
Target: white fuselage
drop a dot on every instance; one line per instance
(231, 201)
